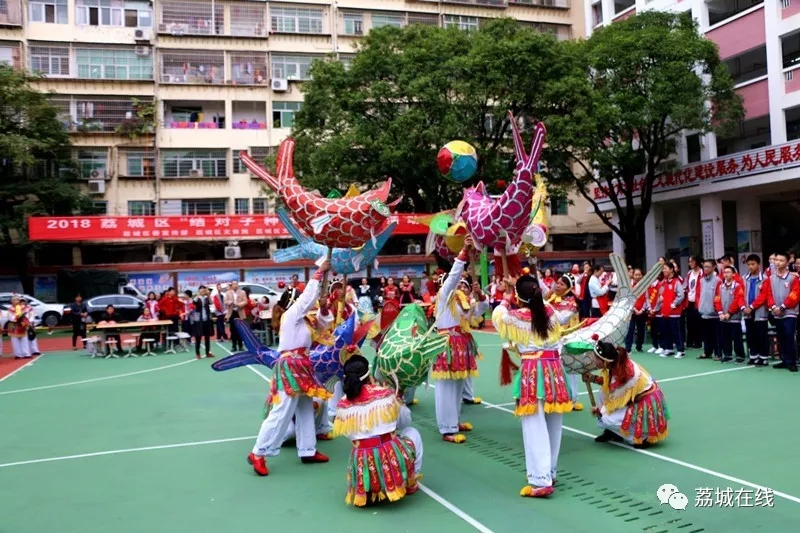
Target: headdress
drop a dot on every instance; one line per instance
(569, 280)
(357, 363)
(605, 350)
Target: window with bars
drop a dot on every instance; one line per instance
(102, 114)
(192, 18)
(381, 20)
(248, 19)
(559, 205)
(260, 206)
(461, 22)
(90, 161)
(193, 66)
(291, 67)
(140, 164)
(115, 13)
(11, 12)
(353, 24)
(48, 11)
(347, 60)
(423, 18)
(249, 68)
(98, 208)
(141, 208)
(258, 153)
(49, 60)
(241, 206)
(197, 163)
(283, 113)
(296, 20)
(562, 32)
(11, 56)
(217, 206)
(113, 64)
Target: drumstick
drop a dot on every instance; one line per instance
(325, 275)
(503, 257)
(591, 392)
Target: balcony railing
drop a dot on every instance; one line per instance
(95, 114)
(193, 66)
(11, 13)
(192, 18)
(560, 4)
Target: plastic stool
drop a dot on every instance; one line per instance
(147, 344)
(171, 340)
(183, 345)
(111, 345)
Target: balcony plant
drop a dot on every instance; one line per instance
(142, 124)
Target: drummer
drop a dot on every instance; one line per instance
(632, 407)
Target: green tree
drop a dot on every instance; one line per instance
(628, 90)
(35, 152)
(408, 92)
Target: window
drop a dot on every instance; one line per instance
(92, 163)
(423, 18)
(558, 205)
(204, 207)
(138, 15)
(141, 165)
(347, 60)
(353, 24)
(50, 60)
(293, 20)
(249, 68)
(113, 64)
(98, 208)
(283, 113)
(10, 55)
(260, 206)
(99, 13)
(693, 149)
(291, 67)
(141, 208)
(379, 21)
(241, 206)
(49, 11)
(461, 22)
(248, 20)
(197, 163)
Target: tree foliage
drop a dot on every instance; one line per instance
(411, 90)
(632, 86)
(34, 151)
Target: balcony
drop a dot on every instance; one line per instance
(96, 114)
(11, 55)
(558, 4)
(249, 116)
(501, 4)
(754, 133)
(756, 98)
(206, 67)
(739, 35)
(721, 10)
(249, 68)
(748, 66)
(191, 18)
(191, 115)
(11, 13)
(789, 8)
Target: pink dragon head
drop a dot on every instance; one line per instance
(497, 223)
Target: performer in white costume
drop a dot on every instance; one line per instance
(386, 459)
(294, 385)
(18, 328)
(322, 422)
(540, 387)
(454, 312)
(563, 300)
(469, 394)
(33, 344)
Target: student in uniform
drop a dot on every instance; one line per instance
(755, 316)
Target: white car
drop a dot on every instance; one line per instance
(258, 290)
(50, 315)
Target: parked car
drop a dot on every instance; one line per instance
(257, 291)
(48, 314)
(4, 318)
(132, 290)
(128, 307)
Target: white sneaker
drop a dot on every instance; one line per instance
(666, 353)
(660, 351)
(652, 350)
(680, 355)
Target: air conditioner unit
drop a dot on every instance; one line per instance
(142, 35)
(280, 85)
(196, 173)
(97, 174)
(166, 78)
(160, 259)
(97, 187)
(142, 50)
(233, 252)
(162, 28)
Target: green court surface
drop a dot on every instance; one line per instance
(159, 444)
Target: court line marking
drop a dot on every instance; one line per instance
(126, 450)
(433, 494)
(20, 368)
(94, 380)
(673, 461)
(690, 376)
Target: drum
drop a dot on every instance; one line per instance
(579, 364)
(409, 348)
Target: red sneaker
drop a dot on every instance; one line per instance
(316, 458)
(259, 464)
(210, 355)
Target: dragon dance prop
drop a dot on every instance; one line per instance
(343, 260)
(409, 348)
(327, 357)
(333, 222)
(535, 234)
(578, 347)
(442, 237)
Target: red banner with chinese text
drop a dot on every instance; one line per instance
(207, 227)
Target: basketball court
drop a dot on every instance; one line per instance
(159, 444)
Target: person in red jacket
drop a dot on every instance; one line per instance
(171, 307)
(729, 304)
(638, 318)
(671, 299)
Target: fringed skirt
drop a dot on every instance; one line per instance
(541, 378)
(380, 468)
(459, 359)
(646, 418)
(294, 375)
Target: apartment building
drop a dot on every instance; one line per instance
(734, 195)
(221, 76)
